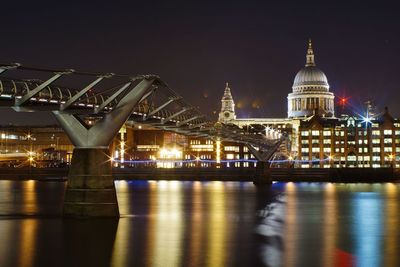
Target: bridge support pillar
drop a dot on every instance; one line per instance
(263, 174)
(90, 191)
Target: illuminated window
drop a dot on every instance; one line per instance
(245, 149)
(376, 141)
(230, 156)
(232, 148)
(376, 149)
(315, 133)
(327, 133)
(387, 132)
(315, 149)
(305, 149)
(387, 140)
(327, 149)
(304, 133)
(387, 149)
(376, 132)
(304, 142)
(327, 141)
(197, 147)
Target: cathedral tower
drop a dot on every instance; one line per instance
(228, 106)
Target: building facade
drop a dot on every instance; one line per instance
(350, 142)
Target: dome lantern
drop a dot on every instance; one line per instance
(310, 55)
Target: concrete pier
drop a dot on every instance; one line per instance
(90, 189)
(262, 174)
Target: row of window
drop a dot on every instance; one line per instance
(341, 132)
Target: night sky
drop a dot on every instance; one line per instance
(257, 47)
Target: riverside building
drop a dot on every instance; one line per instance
(316, 137)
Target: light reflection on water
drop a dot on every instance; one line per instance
(170, 223)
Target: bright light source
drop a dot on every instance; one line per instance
(366, 119)
(290, 158)
(197, 158)
(343, 101)
(168, 158)
(173, 153)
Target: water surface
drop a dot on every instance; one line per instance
(171, 223)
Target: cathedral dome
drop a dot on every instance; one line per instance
(310, 91)
(310, 76)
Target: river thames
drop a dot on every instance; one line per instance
(171, 223)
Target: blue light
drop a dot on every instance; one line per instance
(367, 228)
(223, 161)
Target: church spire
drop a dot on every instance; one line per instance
(227, 92)
(310, 55)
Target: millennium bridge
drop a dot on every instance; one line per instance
(92, 107)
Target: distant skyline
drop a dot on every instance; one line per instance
(257, 47)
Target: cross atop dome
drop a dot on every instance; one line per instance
(310, 55)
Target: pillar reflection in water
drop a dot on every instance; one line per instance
(391, 226)
(88, 242)
(121, 247)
